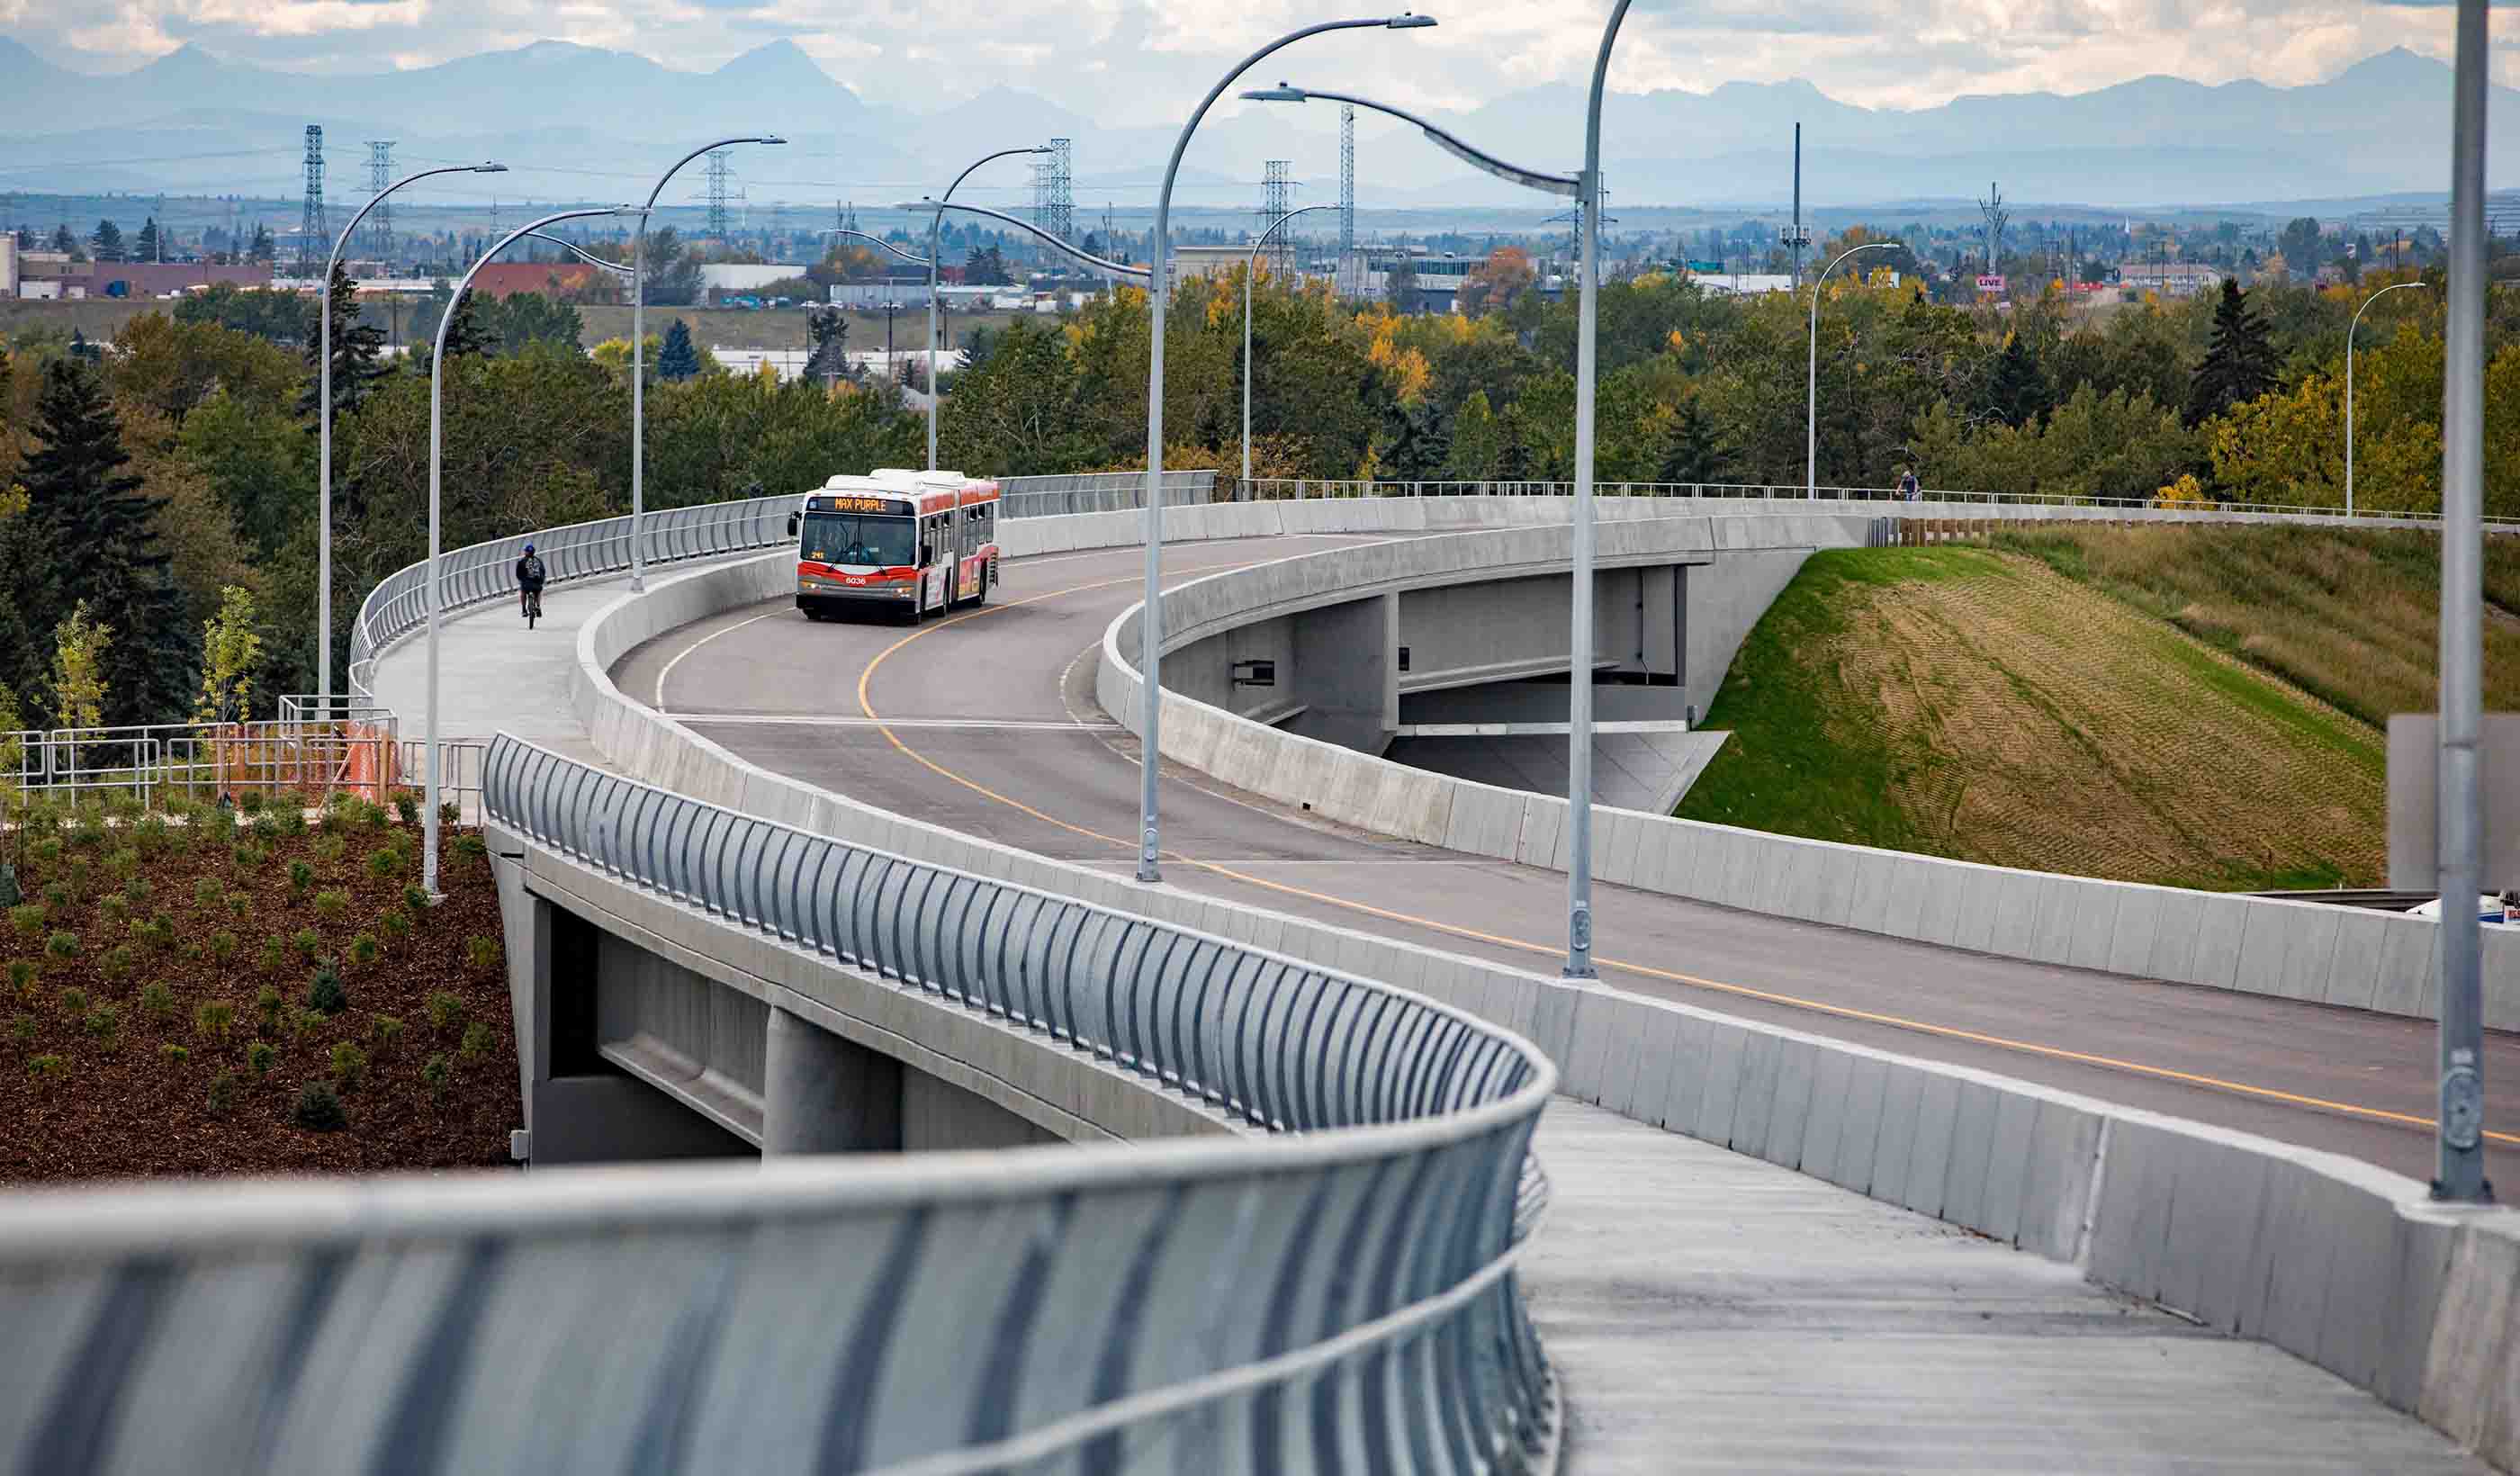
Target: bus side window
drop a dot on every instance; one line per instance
(926, 542)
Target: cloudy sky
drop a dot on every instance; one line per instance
(1130, 61)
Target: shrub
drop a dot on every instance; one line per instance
(247, 856)
(332, 903)
(122, 861)
(350, 1066)
(445, 1010)
(61, 946)
(266, 1005)
(44, 1070)
(472, 848)
(29, 918)
(73, 1002)
(434, 1073)
(192, 952)
(406, 806)
(329, 848)
(117, 963)
(274, 955)
(259, 1055)
(158, 1001)
(415, 898)
(223, 945)
(476, 1041)
(21, 977)
(318, 1110)
(137, 890)
(325, 993)
(173, 1055)
(365, 951)
(300, 877)
(449, 813)
(303, 1021)
(207, 893)
(47, 851)
(112, 907)
(57, 894)
(21, 1027)
(214, 1018)
(240, 904)
(481, 952)
(384, 1031)
(306, 943)
(250, 802)
(288, 819)
(394, 924)
(221, 1098)
(159, 932)
(105, 1022)
(384, 862)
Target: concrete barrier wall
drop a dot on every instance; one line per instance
(2343, 1265)
(2386, 962)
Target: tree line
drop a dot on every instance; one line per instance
(144, 483)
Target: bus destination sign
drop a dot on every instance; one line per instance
(859, 505)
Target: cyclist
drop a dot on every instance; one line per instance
(529, 583)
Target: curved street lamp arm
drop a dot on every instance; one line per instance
(1469, 153)
(1115, 268)
(666, 178)
(1263, 242)
(342, 241)
(912, 258)
(2374, 298)
(1870, 246)
(580, 252)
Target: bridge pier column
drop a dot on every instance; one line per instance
(821, 1093)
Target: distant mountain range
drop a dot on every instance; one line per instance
(580, 122)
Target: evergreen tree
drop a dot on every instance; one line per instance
(1694, 453)
(1412, 444)
(25, 238)
(1479, 442)
(829, 334)
(678, 359)
(358, 353)
(261, 249)
(2017, 393)
(2239, 365)
(109, 241)
(98, 539)
(62, 241)
(146, 248)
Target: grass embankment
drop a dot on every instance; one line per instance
(181, 1001)
(2196, 706)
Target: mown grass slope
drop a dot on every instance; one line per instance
(2196, 706)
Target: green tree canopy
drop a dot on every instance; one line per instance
(2239, 364)
(677, 358)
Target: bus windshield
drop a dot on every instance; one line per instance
(871, 542)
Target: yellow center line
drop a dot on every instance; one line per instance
(1641, 970)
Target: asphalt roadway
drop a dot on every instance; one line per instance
(985, 721)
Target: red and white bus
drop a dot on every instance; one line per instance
(894, 540)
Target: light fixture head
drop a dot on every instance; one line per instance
(770, 138)
(1407, 22)
(1282, 93)
(491, 167)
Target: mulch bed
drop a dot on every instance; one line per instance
(113, 1104)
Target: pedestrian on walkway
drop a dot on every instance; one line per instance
(1908, 488)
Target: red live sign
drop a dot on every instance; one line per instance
(1990, 283)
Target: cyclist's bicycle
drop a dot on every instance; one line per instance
(533, 608)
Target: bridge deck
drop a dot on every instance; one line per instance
(1711, 1311)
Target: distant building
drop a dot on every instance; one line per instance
(168, 278)
(2174, 278)
(505, 278)
(744, 276)
(1744, 283)
(7, 263)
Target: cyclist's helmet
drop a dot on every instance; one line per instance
(529, 548)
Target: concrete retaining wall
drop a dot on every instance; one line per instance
(2339, 1263)
(2387, 962)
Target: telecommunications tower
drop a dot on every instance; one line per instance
(314, 233)
(1054, 200)
(1275, 200)
(1350, 278)
(719, 173)
(380, 233)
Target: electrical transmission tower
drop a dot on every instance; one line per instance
(1275, 196)
(719, 173)
(1349, 278)
(1054, 200)
(1992, 207)
(380, 242)
(314, 231)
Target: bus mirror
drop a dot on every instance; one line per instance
(794, 522)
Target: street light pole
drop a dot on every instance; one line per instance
(1811, 400)
(638, 354)
(1158, 287)
(437, 461)
(1248, 268)
(2349, 384)
(324, 432)
(935, 252)
(2460, 1127)
(1579, 672)
(581, 254)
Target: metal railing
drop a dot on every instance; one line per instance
(1334, 1293)
(1264, 488)
(204, 763)
(1099, 492)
